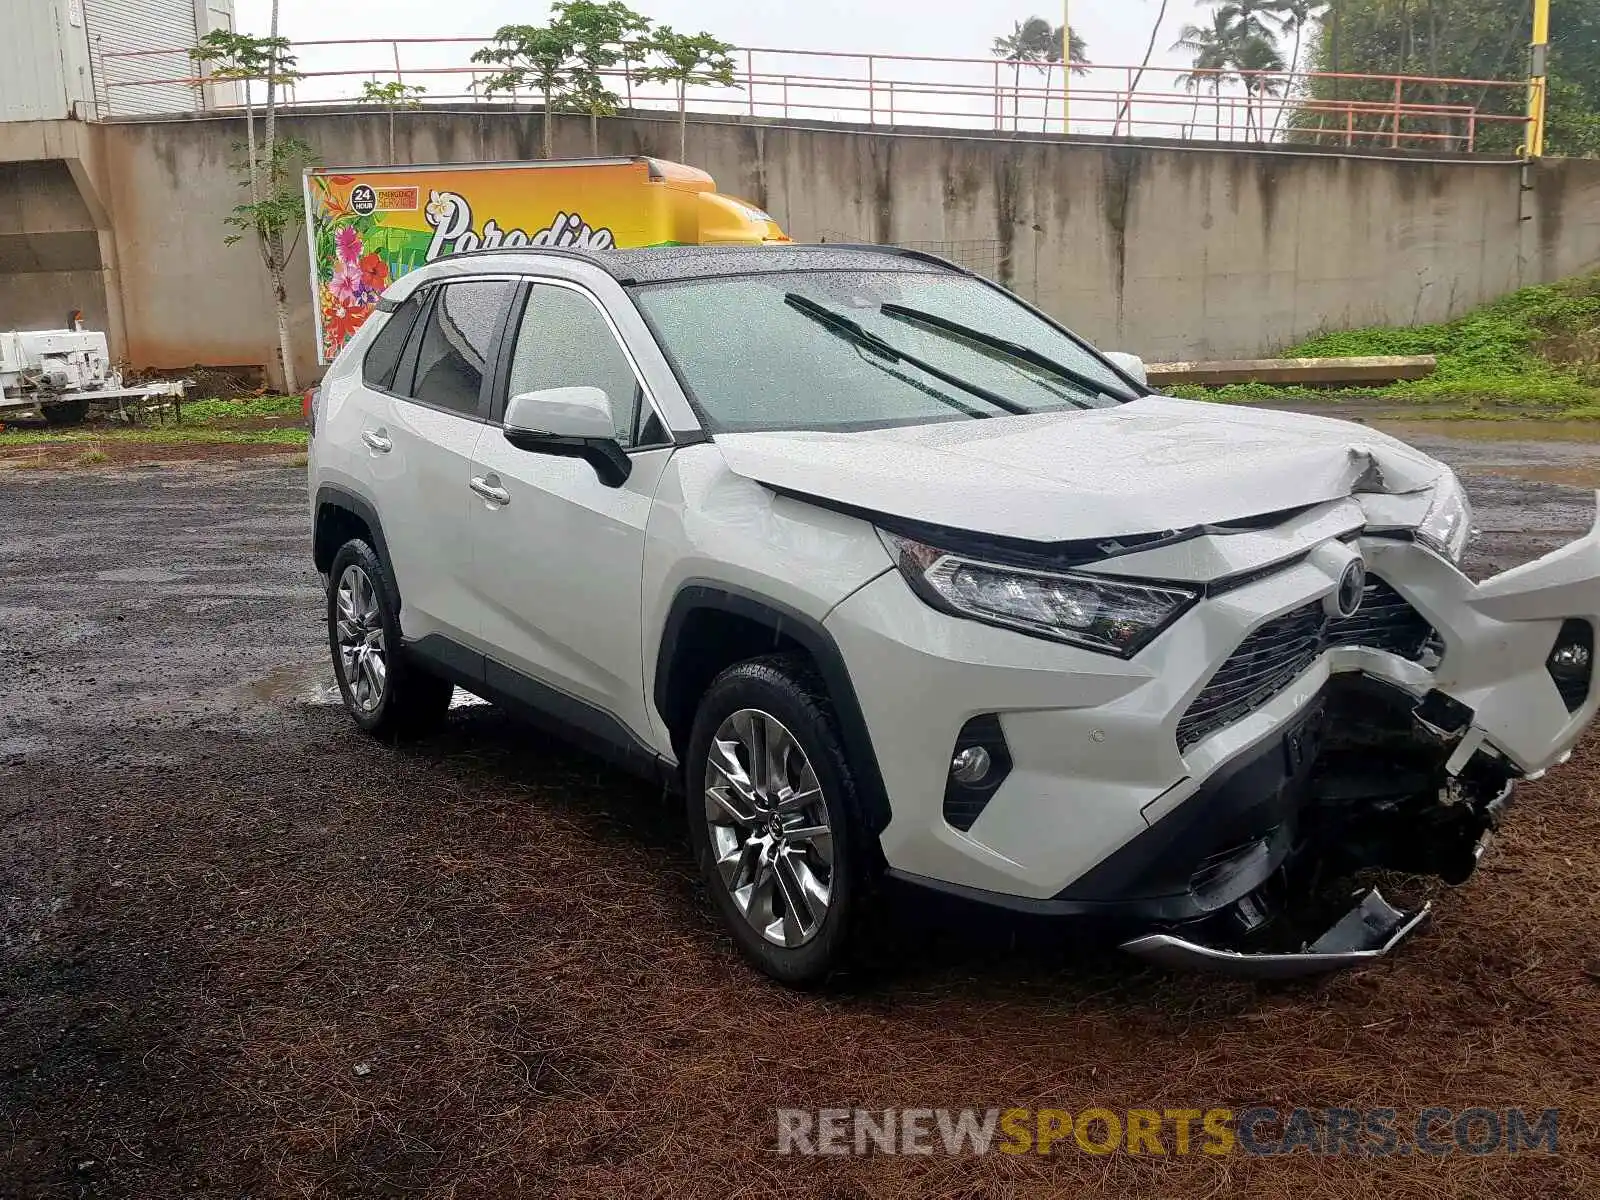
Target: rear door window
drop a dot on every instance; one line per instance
(457, 341)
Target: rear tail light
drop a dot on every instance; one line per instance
(308, 403)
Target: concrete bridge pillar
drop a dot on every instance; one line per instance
(58, 248)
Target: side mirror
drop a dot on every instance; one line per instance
(1131, 365)
(574, 422)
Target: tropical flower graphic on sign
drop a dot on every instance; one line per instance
(374, 273)
(348, 242)
(353, 261)
(340, 321)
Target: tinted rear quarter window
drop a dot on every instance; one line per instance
(457, 341)
(383, 356)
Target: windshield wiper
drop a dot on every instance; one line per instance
(1004, 345)
(846, 328)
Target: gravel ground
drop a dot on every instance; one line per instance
(246, 951)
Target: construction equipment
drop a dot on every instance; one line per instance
(58, 373)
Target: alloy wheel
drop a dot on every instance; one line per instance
(770, 832)
(363, 661)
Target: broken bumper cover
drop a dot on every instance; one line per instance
(1498, 637)
(1106, 815)
(1368, 931)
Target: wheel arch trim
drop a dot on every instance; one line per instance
(697, 595)
(332, 496)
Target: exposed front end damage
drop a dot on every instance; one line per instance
(1220, 663)
(1406, 760)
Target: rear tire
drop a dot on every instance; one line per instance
(773, 818)
(384, 691)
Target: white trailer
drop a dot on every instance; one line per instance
(58, 373)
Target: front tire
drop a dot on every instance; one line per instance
(773, 818)
(385, 692)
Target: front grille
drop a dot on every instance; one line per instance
(1265, 663)
(1278, 652)
(1384, 622)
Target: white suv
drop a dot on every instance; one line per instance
(899, 580)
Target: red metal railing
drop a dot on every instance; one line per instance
(898, 89)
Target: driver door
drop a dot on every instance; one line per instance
(558, 556)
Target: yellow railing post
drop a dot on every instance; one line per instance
(1066, 67)
(1538, 78)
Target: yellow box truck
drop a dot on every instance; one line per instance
(367, 226)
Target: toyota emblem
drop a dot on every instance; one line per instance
(1346, 598)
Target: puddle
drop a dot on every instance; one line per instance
(1490, 431)
(20, 746)
(296, 685)
(314, 685)
(138, 575)
(1584, 477)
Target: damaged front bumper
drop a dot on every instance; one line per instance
(1391, 745)
(1369, 930)
(1412, 765)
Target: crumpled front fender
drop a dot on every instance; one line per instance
(1498, 636)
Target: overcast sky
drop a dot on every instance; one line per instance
(1117, 30)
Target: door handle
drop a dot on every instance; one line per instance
(491, 492)
(377, 440)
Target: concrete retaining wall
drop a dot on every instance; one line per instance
(1172, 252)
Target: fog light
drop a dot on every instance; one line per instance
(1571, 663)
(979, 764)
(1573, 659)
(969, 766)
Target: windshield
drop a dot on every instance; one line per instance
(846, 350)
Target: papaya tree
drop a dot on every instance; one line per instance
(274, 207)
(392, 95)
(685, 60)
(600, 35)
(537, 58)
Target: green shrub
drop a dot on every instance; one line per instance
(1538, 347)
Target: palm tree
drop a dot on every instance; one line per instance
(1293, 17)
(1262, 18)
(1214, 48)
(1038, 42)
(1079, 65)
(1239, 44)
(1138, 76)
(1257, 60)
(1028, 42)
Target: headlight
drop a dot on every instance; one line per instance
(1448, 526)
(1111, 616)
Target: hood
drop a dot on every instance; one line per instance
(1148, 466)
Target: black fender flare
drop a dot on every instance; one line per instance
(332, 496)
(696, 595)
